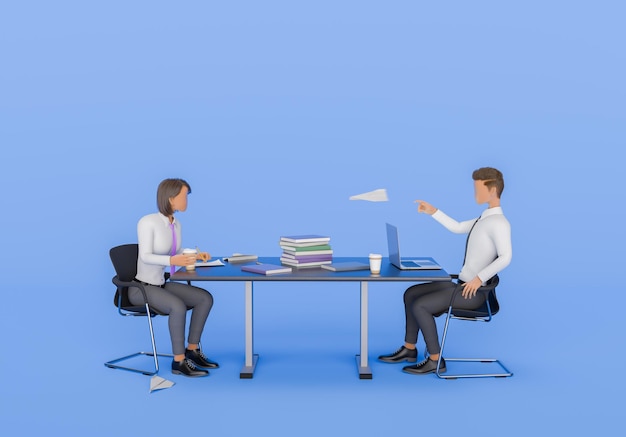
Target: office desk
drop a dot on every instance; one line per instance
(232, 272)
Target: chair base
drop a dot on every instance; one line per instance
(507, 373)
(112, 364)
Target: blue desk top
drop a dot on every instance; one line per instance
(388, 273)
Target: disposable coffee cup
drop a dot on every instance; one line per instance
(375, 262)
(190, 252)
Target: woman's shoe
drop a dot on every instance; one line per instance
(188, 368)
(402, 354)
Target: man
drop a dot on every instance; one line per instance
(488, 251)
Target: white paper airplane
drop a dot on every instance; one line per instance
(379, 195)
(158, 383)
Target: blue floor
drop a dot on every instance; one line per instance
(306, 382)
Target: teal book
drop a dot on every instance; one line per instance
(306, 238)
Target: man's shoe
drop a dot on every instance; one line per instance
(200, 359)
(188, 368)
(402, 354)
(424, 367)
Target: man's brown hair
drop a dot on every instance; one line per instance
(491, 177)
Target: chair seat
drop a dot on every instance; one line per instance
(484, 313)
(489, 308)
(126, 306)
(472, 314)
(140, 310)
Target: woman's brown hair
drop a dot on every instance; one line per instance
(169, 188)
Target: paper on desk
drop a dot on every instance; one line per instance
(214, 263)
(158, 383)
(379, 195)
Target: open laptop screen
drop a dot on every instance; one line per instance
(393, 245)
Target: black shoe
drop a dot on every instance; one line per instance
(402, 354)
(200, 359)
(188, 368)
(426, 366)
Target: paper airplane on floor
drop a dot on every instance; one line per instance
(158, 383)
(379, 195)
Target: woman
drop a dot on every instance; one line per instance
(159, 238)
(488, 251)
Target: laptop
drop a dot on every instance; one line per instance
(406, 264)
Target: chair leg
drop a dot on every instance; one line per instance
(443, 343)
(506, 373)
(112, 364)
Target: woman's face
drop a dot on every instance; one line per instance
(179, 202)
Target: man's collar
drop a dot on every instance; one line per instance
(491, 211)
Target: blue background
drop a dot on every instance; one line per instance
(276, 112)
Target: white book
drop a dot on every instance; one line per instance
(239, 258)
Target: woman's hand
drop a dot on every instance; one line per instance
(425, 207)
(204, 256)
(470, 288)
(182, 260)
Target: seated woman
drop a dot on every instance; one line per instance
(488, 251)
(159, 238)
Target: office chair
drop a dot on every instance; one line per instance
(482, 314)
(124, 259)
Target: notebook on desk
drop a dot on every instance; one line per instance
(393, 244)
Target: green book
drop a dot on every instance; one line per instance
(304, 249)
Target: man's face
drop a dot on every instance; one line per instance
(482, 193)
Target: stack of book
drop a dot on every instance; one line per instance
(306, 250)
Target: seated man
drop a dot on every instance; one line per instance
(487, 252)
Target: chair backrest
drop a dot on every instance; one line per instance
(124, 259)
(493, 303)
(483, 310)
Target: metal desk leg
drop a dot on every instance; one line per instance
(250, 361)
(361, 360)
